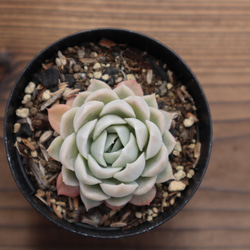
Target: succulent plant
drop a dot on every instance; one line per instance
(113, 144)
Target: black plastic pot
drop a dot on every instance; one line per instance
(155, 49)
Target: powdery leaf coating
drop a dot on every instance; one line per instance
(113, 145)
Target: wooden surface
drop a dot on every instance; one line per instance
(213, 37)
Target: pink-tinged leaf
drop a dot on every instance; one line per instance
(145, 199)
(70, 100)
(55, 114)
(113, 207)
(134, 86)
(117, 203)
(63, 189)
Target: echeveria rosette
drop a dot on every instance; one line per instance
(114, 145)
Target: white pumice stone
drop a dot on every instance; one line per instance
(176, 186)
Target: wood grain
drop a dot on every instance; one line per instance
(213, 37)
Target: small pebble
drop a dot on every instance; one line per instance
(105, 77)
(97, 66)
(178, 146)
(34, 153)
(17, 126)
(77, 68)
(155, 210)
(169, 85)
(58, 62)
(90, 75)
(149, 76)
(49, 77)
(30, 88)
(190, 173)
(165, 194)
(188, 122)
(188, 107)
(179, 175)
(62, 58)
(163, 89)
(138, 215)
(19, 139)
(22, 112)
(33, 111)
(77, 76)
(29, 104)
(149, 212)
(119, 79)
(93, 54)
(191, 146)
(98, 74)
(26, 99)
(130, 77)
(149, 218)
(176, 186)
(46, 95)
(172, 201)
(179, 167)
(165, 204)
(176, 153)
(80, 53)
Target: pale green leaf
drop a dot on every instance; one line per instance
(105, 122)
(69, 177)
(66, 124)
(119, 108)
(96, 85)
(80, 99)
(54, 148)
(155, 140)
(122, 131)
(118, 190)
(141, 131)
(145, 185)
(156, 164)
(151, 100)
(93, 192)
(87, 112)
(139, 106)
(83, 173)
(166, 174)
(99, 171)
(84, 138)
(102, 95)
(97, 148)
(69, 152)
(128, 154)
(132, 170)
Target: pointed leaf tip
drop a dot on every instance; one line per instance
(134, 86)
(145, 199)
